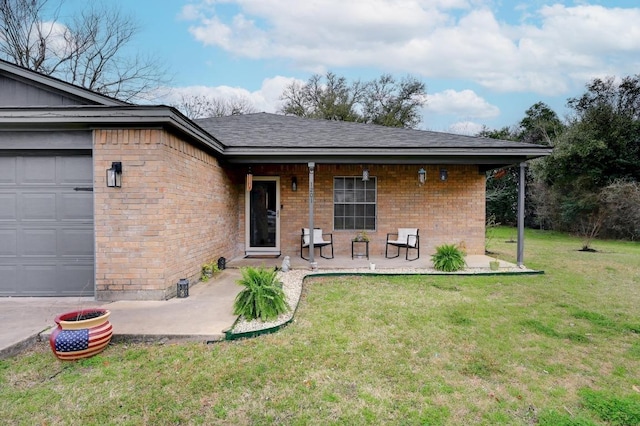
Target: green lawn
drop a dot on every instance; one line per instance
(561, 348)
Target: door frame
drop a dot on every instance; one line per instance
(257, 251)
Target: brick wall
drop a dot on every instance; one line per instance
(173, 213)
(445, 212)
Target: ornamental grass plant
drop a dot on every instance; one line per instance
(262, 297)
(448, 258)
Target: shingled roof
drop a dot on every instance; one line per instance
(265, 137)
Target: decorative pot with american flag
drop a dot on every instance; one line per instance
(81, 334)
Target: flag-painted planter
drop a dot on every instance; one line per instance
(81, 334)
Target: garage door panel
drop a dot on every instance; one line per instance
(76, 280)
(76, 206)
(37, 280)
(75, 170)
(8, 170)
(37, 171)
(8, 279)
(76, 242)
(38, 206)
(39, 242)
(8, 207)
(8, 242)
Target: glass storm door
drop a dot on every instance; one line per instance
(262, 213)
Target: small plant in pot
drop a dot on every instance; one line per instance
(262, 298)
(361, 237)
(494, 264)
(448, 258)
(209, 270)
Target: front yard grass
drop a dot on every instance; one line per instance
(561, 348)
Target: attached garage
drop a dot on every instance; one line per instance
(46, 224)
(47, 237)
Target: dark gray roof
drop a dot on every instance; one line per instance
(265, 137)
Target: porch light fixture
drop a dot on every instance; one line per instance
(294, 184)
(443, 174)
(365, 175)
(249, 180)
(422, 176)
(114, 175)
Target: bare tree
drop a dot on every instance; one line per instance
(88, 50)
(332, 100)
(383, 101)
(201, 106)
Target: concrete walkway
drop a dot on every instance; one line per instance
(203, 316)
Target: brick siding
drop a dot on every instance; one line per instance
(176, 210)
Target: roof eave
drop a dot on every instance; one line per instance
(491, 156)
(108, 117)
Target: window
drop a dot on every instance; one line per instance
(354, 203)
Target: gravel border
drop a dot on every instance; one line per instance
(293, 279)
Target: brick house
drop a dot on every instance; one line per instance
(183, 197)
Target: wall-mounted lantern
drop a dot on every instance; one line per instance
(444, 174)
(422, 176)
(294, 184)
(365, 174)
(114, 175)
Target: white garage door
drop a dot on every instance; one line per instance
(46, 225)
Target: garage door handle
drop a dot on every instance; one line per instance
(87, 188)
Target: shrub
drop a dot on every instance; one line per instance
(208, 270)
(448, 258)
(262, 296)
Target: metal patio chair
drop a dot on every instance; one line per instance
(318, 241)
(406, 238)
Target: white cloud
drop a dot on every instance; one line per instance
(265, 99)
(468, 128)
(550, 50)
(464, 103)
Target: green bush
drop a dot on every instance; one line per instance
(209, 270)
(448, 258)
(262, 296)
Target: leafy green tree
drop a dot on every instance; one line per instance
(600, 145)
(540, 125)
(384, 101)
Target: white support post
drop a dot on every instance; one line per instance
(312, 167)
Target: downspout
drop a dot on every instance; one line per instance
(311, 227)
(521, 187)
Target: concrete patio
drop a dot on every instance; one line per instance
(342, 262)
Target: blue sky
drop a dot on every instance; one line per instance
(484, 62)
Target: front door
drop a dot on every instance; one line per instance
(262, 215)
